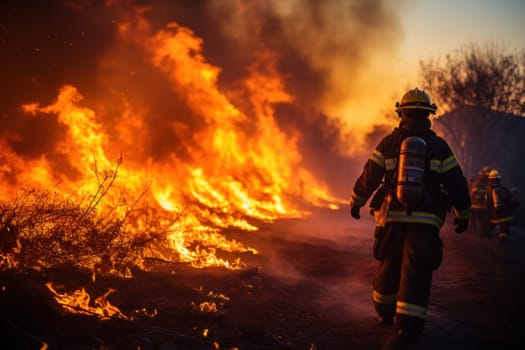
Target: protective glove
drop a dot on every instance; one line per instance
(461, 225)
(354, 211)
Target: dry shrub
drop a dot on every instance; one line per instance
(42, 228)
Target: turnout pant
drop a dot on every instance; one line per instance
(480, 222)
(411, 252)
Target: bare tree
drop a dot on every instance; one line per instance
(480, 92)
(486, 77)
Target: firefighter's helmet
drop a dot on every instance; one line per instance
(494, 174)
(416, 99)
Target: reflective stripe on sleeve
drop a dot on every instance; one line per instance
(448, 164)
(384, 298)
(390, 163)
(417, 217)
(501, 220)
(378, 158)
(435, 165)
(358, 200)
(440, 167)
(411, 309)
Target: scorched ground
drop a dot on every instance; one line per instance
(310, 288)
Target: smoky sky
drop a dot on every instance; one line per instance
(46, 44)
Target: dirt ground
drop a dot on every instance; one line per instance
(309, 288)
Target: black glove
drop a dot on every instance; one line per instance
(354, 211)
(461, 225)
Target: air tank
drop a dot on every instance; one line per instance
(411, 171)
(497, 197)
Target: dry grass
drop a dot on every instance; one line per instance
(42, 228)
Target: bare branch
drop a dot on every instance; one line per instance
(47, 228)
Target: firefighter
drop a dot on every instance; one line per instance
(470, 182)
(421, 181)
(478, 195)
(501, 204)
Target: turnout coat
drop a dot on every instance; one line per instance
(445, 186)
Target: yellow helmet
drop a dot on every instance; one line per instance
(494, 174)
(416, 99)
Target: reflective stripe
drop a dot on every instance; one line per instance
(358, 200)
(378, 158)
(440, 167)
(435, 165)
(479, 206)
(501, 220)
(417, 217)
(448, 164)
(411, 309)
(384, 298)
(390, 163)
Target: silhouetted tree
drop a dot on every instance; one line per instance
(473, 87)
(486, 77)
(480, 93)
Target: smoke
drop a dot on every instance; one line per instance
(45, 45)
(329, 253)
(331, 53)
(337, 57)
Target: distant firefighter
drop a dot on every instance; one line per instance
(478, 195)
(501, 205)
(471, 180)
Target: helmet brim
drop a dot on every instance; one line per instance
(432, 109)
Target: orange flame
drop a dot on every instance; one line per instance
(240, 168)
(79, 300)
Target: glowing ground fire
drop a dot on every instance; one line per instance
(79, 302)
